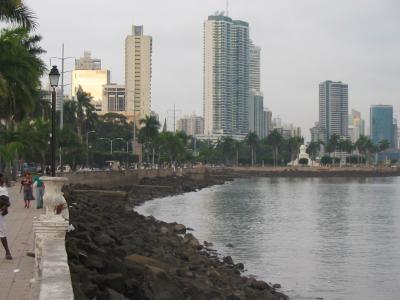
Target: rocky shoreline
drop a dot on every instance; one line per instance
(114, 253)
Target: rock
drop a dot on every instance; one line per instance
(164, 230)
(113, 295)
(228, 260)
(180, 229)
(89, 289)
(114, 281)
(103, 240)
(208, 244)
(233, 297)
(239, 266)
(260, 285)
(229, 245)
(95, 262)
(276, 286)
(191, 240)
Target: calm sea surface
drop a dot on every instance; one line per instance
(332, 238)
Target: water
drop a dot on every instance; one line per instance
(333, 238)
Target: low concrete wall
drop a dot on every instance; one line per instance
(56, 279)
(110, 179)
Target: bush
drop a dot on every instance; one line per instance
(355, 159)
(303, 161)
(326, 160)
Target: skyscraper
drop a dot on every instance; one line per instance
(333, 108)
(256, 100)
(254, 67)
(226, 76)
(138, 72)
(381, 123)
(89, 75)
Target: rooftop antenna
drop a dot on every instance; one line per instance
(227, 8)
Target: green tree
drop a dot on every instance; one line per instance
(20, 72)
(16, 12)
(148, 134)
(172, 146)
(294, 144)
(275, 139)
(252, 141)
(313, 148)
(383, 145)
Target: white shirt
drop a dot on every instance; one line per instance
(3, 191)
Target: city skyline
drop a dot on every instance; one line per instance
(277, 28)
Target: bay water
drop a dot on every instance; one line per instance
(325, 238)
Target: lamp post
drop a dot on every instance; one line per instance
(54, 76)
(87, 146)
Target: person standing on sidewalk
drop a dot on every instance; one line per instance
(39, 191)
(4, 204)
(26, 185)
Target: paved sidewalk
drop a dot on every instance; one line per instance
(15, 275)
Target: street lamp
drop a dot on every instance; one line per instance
(54, 76)
(87, 146)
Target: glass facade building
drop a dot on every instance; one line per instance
(381, 124)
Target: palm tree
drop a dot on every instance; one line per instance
(15, 11)
(383, 145)
(313, 148)
(226, 147)
(20, 72)
(252, 141)
(346, 145)
(172, 145)
(148, 133)
(294, 144)
(275, 139)
(81, 113)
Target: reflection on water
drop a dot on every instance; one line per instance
(336, 238)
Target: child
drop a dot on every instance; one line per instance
(4, 204)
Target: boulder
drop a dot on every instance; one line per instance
(180, 229)
(191, 240)
(104, 240)
(260, 285)
(228, 260)
(113, 295)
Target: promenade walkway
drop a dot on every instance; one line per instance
(15, 275)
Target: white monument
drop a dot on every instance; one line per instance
(303, 159)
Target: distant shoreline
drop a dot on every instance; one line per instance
(238, 172)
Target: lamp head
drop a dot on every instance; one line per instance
(54, 76)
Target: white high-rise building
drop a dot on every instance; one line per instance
(138, 72)
(333, 108)
(226, 76)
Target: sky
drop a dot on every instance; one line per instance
(304, 42)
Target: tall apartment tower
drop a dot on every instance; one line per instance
(226, 76)
(257, 122)
(138, 72)
(254, 67)
(333, 108)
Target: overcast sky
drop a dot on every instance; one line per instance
(303, 43)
